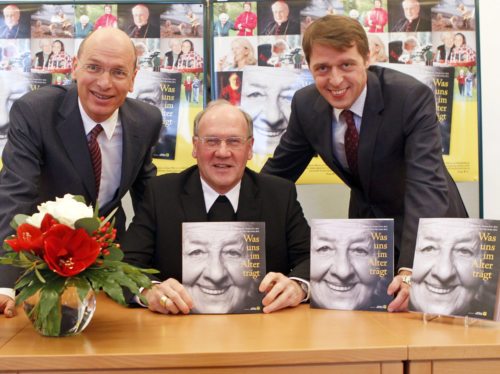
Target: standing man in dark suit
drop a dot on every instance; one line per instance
(377, 130)
(222, 145)
(47, 153)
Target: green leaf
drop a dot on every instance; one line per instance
(80, 199)
(114, 291)
(82, 286)
(39, 276)
(89, 224)
(18, 220)
(28, 291)
(109, 216)
(115, 254)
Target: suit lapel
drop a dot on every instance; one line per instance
(70, 128)
(249, 202)
(192, 199)
(131, 147)
(371, 122)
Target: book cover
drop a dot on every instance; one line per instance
(162, 90)
(352, 263)
(223, 264)
(455, 270)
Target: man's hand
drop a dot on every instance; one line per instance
(281, 292)
(7, 306)
(402, 292)
(169, 297)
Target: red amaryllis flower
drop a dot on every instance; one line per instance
(68, 251)
(47, 222)
(28, 238)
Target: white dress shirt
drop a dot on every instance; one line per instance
(111, 145)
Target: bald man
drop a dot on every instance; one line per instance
(47, 153)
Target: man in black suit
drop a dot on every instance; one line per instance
(377, 130)
(222, 145)
(47, 154)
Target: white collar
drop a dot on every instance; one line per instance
(210, 195)
(109, 125)
(356, 107)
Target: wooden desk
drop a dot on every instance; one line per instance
(136, 340)
(445, 345)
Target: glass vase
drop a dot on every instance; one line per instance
(73, 314)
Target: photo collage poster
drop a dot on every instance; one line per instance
(258, 64)
(38, 42)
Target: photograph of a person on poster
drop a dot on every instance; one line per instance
(83, 27)
(223, 25)
(142, 23)
(279, 21)
(189, 59)
(171, 58)
(108, 19)
(242, 53)
(246, 22)
(11, 24)
(266, 96)
(376, 18)
(231, 87)
(409, 16)
(181, 20)
(41, 58)
(59, 59)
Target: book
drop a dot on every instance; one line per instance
(352, 263)
(223, 264)
(455, 269)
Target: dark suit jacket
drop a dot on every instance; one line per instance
(154, 239)
(150, 30)
(47, 156)
(402, 173)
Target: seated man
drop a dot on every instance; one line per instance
(222, 144)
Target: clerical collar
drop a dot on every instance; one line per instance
(210, 195)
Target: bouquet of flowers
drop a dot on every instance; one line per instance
(66, 245)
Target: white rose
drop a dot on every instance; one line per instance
(66, 210)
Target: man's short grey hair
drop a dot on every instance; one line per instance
(218, 102)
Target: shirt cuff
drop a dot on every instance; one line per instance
(10, 292)
(307, 285)
(136, 298)
(407, 269)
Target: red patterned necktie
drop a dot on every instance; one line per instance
(95, 155)
(351, 140)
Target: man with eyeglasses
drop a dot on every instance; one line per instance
(222, 145)
(48, 153)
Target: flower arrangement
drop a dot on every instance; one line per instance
(66, 245)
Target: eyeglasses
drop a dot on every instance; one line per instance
(116, 73)
(232, 142)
